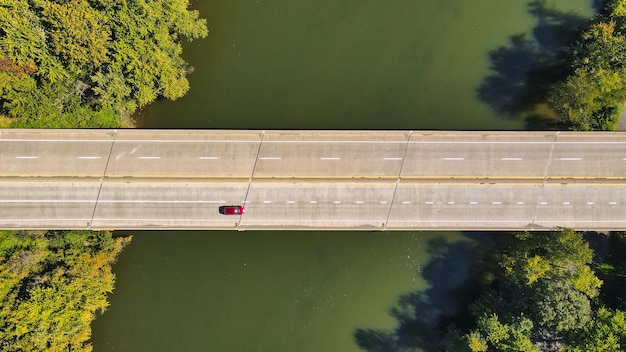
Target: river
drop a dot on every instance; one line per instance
(324, 64)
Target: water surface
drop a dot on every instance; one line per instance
(324, 64)
(328, 64)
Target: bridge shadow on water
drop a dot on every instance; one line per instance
(456, 275)
(524, 70)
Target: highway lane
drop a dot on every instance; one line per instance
(378, 180)
(310, 204)
(192, 153)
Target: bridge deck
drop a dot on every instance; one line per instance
(322, 180)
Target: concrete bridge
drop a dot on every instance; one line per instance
(312, 180)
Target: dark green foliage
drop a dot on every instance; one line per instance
(51, 286)
(561, 255)
(81, 63)
(593, 94)
(555, 305)
(613, 272)
(544, 301)
(606, 334)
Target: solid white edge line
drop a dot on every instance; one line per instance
(295, 141)
(307, 220)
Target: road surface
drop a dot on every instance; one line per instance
(312, 180)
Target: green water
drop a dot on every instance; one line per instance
(347, 64)
(300, 64)
(251, 291)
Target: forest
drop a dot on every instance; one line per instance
(52, 285)
(592, 95)
(550, 294)
(90, 63)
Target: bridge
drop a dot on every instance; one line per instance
(312, 180)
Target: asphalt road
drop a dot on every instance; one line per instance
(312, 180)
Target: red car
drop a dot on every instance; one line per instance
(232, 210)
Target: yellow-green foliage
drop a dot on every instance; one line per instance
(593, 94)
(79, 34)
(51, 286)
(563, 254)
(617, 8)
(90, 63)
(5, 122)
(476, 343)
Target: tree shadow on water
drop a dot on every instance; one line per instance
(423, 316)
(524, 70)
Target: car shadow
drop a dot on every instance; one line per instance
(523, 71)
(454, 274)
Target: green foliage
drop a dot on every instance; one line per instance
(79, 34)
(557, 306)
(23, 40)
(552, 255)
(52, 285)
(589, 100)
(592, 96)
(613, 272)
(607, 333)
(476, 342)
(507, 337)
(90, 63)
(542, 302)
(616, 8)
(147, 63)
(493, 335)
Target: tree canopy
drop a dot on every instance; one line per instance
(544, 301)
(51, 286)
(593, 94)
(88, 63)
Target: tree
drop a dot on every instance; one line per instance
(593, 94)
(79, 34)
(52, 285)
(551, 255)
(91, 63)
(543, 297)
(556, 306)
(607, 333)
(493, 335)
